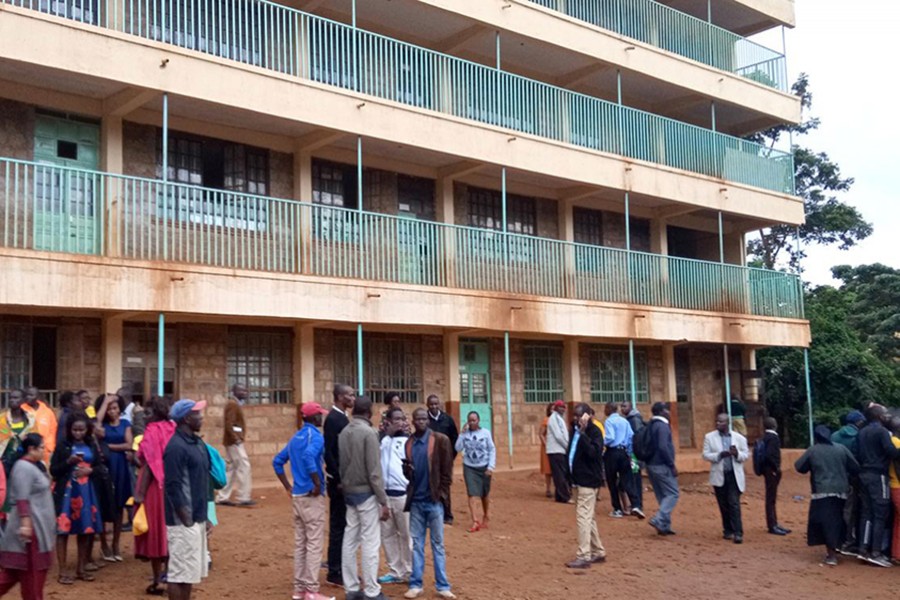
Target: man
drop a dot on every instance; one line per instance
(584, 453)
(44, 420)
(876, 451)
(771, 470)
(441, 422)
(557, 446)
(727, 451)
(235, 429)
(636, 421)
(895, 492)
(338, 418)
(359, 460)
(305, 451)
(186, 468)
(395, 536)
(429, 468)
(738, 415)
(617, 460)
(661, 469)
(848, 436)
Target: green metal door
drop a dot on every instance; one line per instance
(67, 201)
(475, 381)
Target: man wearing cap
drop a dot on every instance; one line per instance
(305, 451)
(557, 445)
(239, 477)
(186, 468)
(848, 436)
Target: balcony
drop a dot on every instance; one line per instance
(664, 27)
(69, 210)
(281, 39)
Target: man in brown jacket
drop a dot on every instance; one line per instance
(238, 462)
(429, 468)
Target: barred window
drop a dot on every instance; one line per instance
(15, 357)
(334, 184)
(611, 377)
(486, 211)
(392, 364)
(261, 360)
(588, 225)
(543, 373)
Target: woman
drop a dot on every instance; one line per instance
(479, 461)
(391, 400)
(545, 460)
(153, 545)
(15, 425)
(117, 438)
(26, 550)
(73, 466)
(830, 466)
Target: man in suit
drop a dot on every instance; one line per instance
(727, 450)
(771, 470)
(338, 418)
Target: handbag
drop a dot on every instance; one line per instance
(139, 524)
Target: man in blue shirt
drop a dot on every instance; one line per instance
(617, 460)
(305, 452)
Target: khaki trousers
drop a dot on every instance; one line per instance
(238, 474)
(396, 539)
(309, 542)
(589, 544)
(363, 532)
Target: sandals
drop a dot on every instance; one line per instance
(475, 527)
(92, 567)
(65, 579)
(154, 590)
(84, 577)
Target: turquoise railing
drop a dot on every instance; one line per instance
(44, 207)
(664, 27)
(289, 41)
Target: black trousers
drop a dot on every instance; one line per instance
(559, 469)
(772, 478)
(875, 508)
(447, 502)
(729, 498)
(337, 521)
(851, 513)
(618, 470)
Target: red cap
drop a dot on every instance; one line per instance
(559, 404)
(312, 408)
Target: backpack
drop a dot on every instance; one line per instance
(217, 469)
(759, 456)
(642, 444)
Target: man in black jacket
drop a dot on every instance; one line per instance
(771, 470)
(661, 469)
(335, 422)
(441, 422)
(636, 420)
(876, 451)
(585, 452)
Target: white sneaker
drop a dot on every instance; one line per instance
(413, 593)
(447, 594)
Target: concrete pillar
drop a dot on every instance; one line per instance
(111, 161)
(567, 234)
(445, 209)
(735, 249)
(669, 393)
(303, 192)
(571, 372)
(659, 236)
(304, 367)
(451, 368)
(111, 354)
(751, 384)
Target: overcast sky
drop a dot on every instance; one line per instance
(850, 51)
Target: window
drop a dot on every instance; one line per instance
(415, 197)
(588, 225)
(391, 363)
(334, 184)
(217, 165)
(611, 378)
(486, 211)
(262, 360)
(543, 373)
(140, 360)
(15, 356)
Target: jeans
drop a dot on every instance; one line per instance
(428, 515)
(728, 496)
(876, 507)
(665, 488)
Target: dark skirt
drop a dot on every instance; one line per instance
(826, 523)
(478, 483)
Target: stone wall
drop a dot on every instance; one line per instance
(16, 130)
(139, 152)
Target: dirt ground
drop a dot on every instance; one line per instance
(522, 555)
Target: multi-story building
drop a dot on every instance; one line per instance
(501, 202)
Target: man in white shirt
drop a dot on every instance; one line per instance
(727, 450)
(395, 531)
(557, 444)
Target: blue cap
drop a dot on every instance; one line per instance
(181, 409)
(854, 416)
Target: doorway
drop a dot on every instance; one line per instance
(475, 381)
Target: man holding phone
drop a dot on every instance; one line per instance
(727, 450)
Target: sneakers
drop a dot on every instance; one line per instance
(387, 579)
(357, 595)
(617, 514)
(598, 559)
(316, 596)
(849, 550)
(878, 560)
(247, 504)
(637, 512)
(413, 593)
(446, 594)
(830, 561)
(578, 563)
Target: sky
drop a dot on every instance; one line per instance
(850, 51)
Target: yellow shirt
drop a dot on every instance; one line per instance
(892, 470)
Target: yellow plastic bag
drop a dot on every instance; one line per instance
(139, 525)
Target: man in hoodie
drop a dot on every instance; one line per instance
(557, 445)
(876, 451)
(848, 436)
(661, 469)
(395, 537)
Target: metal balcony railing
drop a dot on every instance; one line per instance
(71, 210)
(282, 39)
(664, 27)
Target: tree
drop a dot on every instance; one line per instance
(874, 295)
(817, 180)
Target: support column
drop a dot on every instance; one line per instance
(567, 231)
(509, 416)
(571, 372)
(669, 393)
(111, 330)
(111, 161)
(304, 367)
(751, 384)
(451, 370)
(303, 192)
(445, 209)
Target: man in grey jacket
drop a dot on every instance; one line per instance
(360, 466)
(557, 444)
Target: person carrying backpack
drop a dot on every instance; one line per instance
(653, 445)
(767, 463)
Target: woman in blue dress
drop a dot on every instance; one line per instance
(118, 441)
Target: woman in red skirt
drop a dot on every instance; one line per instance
(152, 545)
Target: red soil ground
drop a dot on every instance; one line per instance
(522, 556)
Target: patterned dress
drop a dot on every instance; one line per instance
(79, 513)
